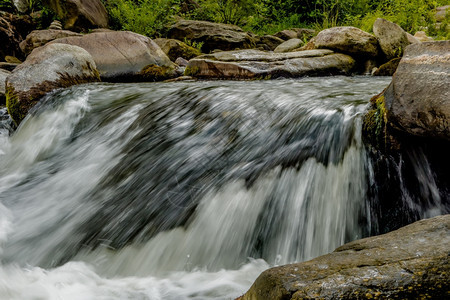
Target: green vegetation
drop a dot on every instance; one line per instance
(147, 17)
(150, 17)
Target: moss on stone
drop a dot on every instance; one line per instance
(19, 103)
(191, 71)
(155, 72)
(12, 104)
(375, 122)
(183, 50)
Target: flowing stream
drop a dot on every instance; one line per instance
(187, 190)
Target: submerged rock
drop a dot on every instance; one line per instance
(347, 39)
(39, 38)
(409, 263)
(392, 38)
(254, 64)
(45, 69)
(212, 35)
(123, 55)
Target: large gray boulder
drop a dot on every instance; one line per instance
(247, 64)
(124, 55)
(349, 40)
(212, 35)
(418, 98)
(410, 263)
(47, 68)
(417, 102)
(39, 38)
(80, 15)
(392, 38)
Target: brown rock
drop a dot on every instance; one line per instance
(392, 38)
(212, 35)
(349, 40)
(289, 45)
(387, 69)
(409, 263)
(80, 15)
(418, 98)
(271, 41)
(248, 64)
(45, 69)
(122, 55)
(286, 34)
(304, 33)
(175, 48)
(39, 38)
(10, 39)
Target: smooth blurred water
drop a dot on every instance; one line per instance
(183, 190)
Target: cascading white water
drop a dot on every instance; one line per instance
(180, 190)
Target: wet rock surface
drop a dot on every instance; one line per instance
(45, 69)
(253, 64)
(409, 263)
(418, 98)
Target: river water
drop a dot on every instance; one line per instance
(185, 190)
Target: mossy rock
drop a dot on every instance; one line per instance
(47, 68)
(375, 122)
(157, 73)
(175, 48)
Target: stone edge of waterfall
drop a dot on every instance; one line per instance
(416, 103)
(411, 262)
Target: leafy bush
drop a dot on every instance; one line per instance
(147, 17)
(151, 17)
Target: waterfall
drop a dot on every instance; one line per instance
(188, 190)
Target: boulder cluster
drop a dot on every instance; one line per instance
(230, 52)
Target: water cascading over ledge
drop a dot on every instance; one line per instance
(149, 179)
